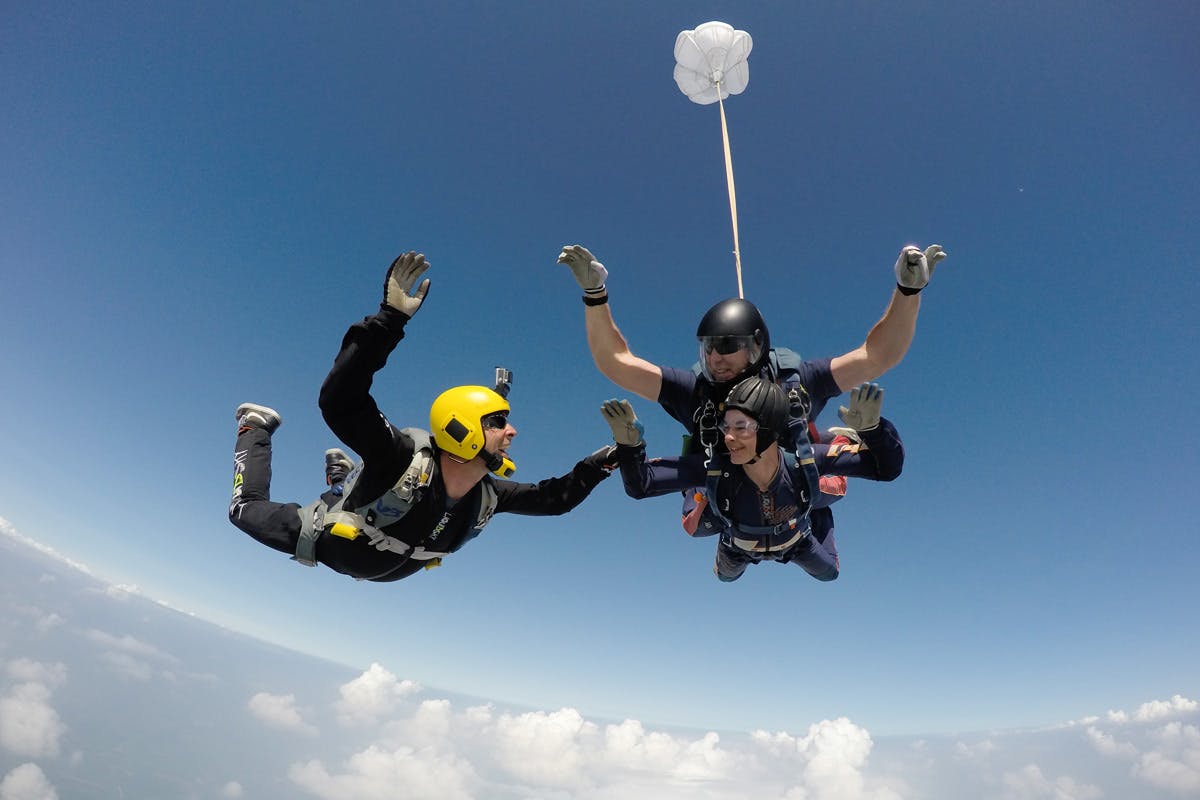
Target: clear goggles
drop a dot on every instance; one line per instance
(740, 428)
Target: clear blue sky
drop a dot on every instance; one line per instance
(197, 201)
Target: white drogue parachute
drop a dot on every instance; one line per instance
(710, 62)
(710, 65)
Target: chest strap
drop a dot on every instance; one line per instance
(800, 525)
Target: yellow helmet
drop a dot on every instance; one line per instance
(455, 419)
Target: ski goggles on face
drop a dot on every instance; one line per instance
(726, 345)
(497, 420)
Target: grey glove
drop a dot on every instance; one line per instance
(914, 268)
(589, 273)
(866, 401)
(624, 423)
(401, 277)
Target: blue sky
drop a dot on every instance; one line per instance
(197, 201)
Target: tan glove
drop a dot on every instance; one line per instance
(624, 423)
(914, 267)
(866, 402)
(589, 273)
(401, 277)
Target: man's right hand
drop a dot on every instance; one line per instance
(624, 423)
(398, 289)
(589, 273)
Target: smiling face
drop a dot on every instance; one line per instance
(723, 367)
(498, 433)
(741, 436)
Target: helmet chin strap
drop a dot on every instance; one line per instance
(762, 444)
(497, 464)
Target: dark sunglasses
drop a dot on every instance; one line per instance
(497, 420)
(726, 345)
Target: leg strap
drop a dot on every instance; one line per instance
(311, 523)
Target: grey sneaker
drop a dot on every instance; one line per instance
(251, 415)
(337, 466)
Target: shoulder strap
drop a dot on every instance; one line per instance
(802, 464)
(488, 501)
(717, 484)
(783, 360)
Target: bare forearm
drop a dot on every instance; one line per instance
(890, 337)
(613, 357)
(885, 346)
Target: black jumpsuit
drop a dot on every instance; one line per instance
(386, 452)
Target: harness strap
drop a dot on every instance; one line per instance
(310, 528)
(316, 518)
(800, 525)
(349, 525)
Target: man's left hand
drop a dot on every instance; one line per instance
(589, 273)
(866, 404)
(914, 267)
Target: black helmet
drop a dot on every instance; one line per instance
(767, 404)
(733, 325)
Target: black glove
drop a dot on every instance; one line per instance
(605, 458)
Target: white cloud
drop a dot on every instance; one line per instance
(127, 666)
(123, 591)
(129, 644)
(438, 751)
(27, 782)
(29, 726)
(1175, 765)
(1109, 746)
(127, 655)
(973, 751)
(380, 774)
(233, 789)
(1167, 756)
(7, 529)
(546, 749)
(1029, 783)
(26, 670)
(630, 747)
(279, 711)
(372, 695)
(1167, 773)
(1156, 710)
(434, 749)
(1164, 709)
(830, 758)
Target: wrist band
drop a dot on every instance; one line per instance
(904, 290)
(595, 301)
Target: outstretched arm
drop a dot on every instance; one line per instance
(554, 496)
(345, 400)
(642, 477)
(890, 337)
(880, 456)
(609, 349)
